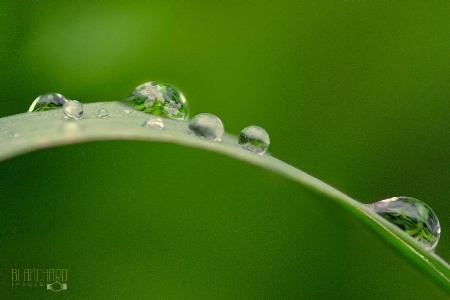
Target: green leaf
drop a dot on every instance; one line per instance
(159, 217)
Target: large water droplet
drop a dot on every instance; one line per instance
(413, 216)
(73, 109)
(159, 99)
(102, 113)
(47, 101)
(207, 126)
(154, 122)
(255, 139)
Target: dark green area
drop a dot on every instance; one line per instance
(211, 228)
(356, 94)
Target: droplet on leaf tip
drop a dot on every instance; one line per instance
(412, 216)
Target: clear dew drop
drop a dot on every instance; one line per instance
(207, 126)
(412, 216)
(47, 101)
(73, 109)
(154, 122)
(254, 139)
(102, 113)
(159, 99)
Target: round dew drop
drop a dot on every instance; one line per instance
(47, 101)
(102, 113)
(207, 126)
(73, 109)
(154, 122)
(254, 139)
(159, 99)
(412, 216)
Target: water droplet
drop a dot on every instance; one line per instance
(73, 109)
(47, 101)
(15, 135)
(102, 113)
(154, 122)
(159, 99)
(207, 126)
(255, 139)
(126, 111)
(413, 216)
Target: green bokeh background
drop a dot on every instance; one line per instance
(356, 94)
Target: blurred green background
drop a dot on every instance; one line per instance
(356, 94)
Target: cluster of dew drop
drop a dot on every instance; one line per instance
(72, 109)
(161, 100)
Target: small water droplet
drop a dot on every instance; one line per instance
(413, 216)
(126, 111)
(102, 113)
(15, 135)
(73, 109)
(154, 122)
(255, 139)
(47, 101)
(207, 126)
(159, 99)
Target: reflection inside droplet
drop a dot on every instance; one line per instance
(412, 216)
(159, 99)
(73, 109)
(207, 126)
(47, 101)
(255, 139)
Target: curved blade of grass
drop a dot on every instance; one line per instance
(28, 132)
